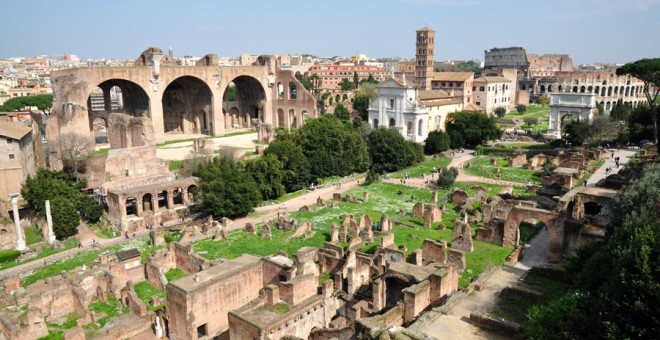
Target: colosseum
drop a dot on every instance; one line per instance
(544, 74)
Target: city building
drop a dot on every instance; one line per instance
(399, 107)
(440, 104)
(492, 92)
(17, 159)
(424, 58)
(457, 84)
(333, 74)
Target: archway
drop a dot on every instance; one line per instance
(192, 193)
(597, 90)
(121, 96)
(187, 106)
(392, 122)
(344, 97)
(582, 89)
(162, 200)
(305, 116)
(131, 206)
(147, 201)
(542, 88)
(420, 126)
(100, 128)
(337, 99)
(394, 287)
(280, 118)
(375, 122)
(590, 89)
(292, 117)
(560, 88)
(549, 88)
(293, 91)
(248, 96)
(177, 196)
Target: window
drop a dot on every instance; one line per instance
(11, 156)
(481, 88)
(391, 103)
(201, 331)
(9, 141)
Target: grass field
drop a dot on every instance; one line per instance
(533, 111)
(425, 167)
(145, 290)
(44, 253)
(480, 166)
(384, 198)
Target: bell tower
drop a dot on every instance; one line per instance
(424, 58)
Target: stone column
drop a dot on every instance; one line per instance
(49, 220)
(170, 200)
(154, 203)
(20, 240)
(139, 206)
(186, 199)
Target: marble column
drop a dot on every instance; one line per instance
(49, 220)
(20, 240)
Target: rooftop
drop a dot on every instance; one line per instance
(13, 130)
(490, 79)
(128, 254)
(216, 273)
(452, 76)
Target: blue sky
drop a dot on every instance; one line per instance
(589, 30)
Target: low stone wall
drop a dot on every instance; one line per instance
(552, 272)
(523, 294)
(499, 325)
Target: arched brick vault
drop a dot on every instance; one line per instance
(72, 87)
(553, 222)
(117, 198)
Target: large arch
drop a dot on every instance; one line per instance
(187, 106)
(249, 97)
(553, 222)
(119, 95)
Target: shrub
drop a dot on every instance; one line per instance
(447, 177)
(521, 108)
(500, 111)
(436, 142)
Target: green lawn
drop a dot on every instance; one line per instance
(56, 331)
(86, 258)
(176, 164)
(174, 273)
(383, 198)
(425, 167)
(480, 166)
(533, 111)
(32, 235)
(44, 253)
(104, 311)
(145, 290)
(291, 195)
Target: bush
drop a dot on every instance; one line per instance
(521, 108)
(65, 217)
(447, 177)
(531, 121)
(436, 142)
(500, 111)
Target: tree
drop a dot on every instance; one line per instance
(500, 111)
(648, 71)
(342, 112)
(529, 121)
(332, 147)
(616, 287)
(474, 128)
(346, 85)
(521, 108)
(296, 171)
(361, 105)
(436, 142)
(268, 174)
(73, 152)
(55, 186)
(601, 129)
(620, 110)
(64, 216)
(356, 80)
(640, 124)
(42, 102)
(369, 80)
(543, 101)
(447, 177)
(390, 152)
(227, 190)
